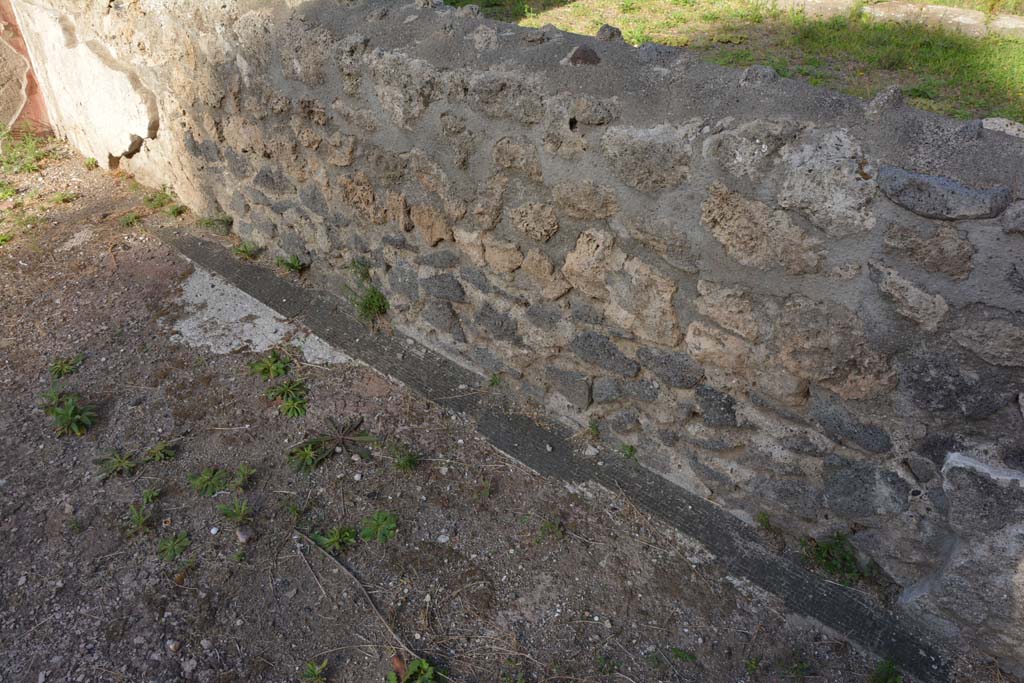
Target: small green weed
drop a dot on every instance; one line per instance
(63, 197)
(138, 519)
(763, 521)
(130, 219)
(91, 164)
(550, 530)
(210, 481)
(361, 269)
(628, 451)
(405, 458)
(293, 407)
(219, 224)
(380, 527)
(606, 665)
(594, 429)
(293, 264)
(62, 367)
(834, 556)
(7, 190)
(417, 671)
(752, 665)
(314, 673)
(149, 496)
(682, 655)
(237, 511)
(495, 380)
(243, 476)
(171, 548)
(372, 304)
(336, 540)
(72, 417)
(177, 210)
(270, 366)
(247, 251)
(886, 672)
(287, 390)
(308, 456)
(5, 237)
(117, 464)
(159, 199)
(20, 155)
(160, 452)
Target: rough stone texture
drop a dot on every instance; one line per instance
(756, 235)
(938, 197)
(730, 259)
(14, 71)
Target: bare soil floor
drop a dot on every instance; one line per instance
(494, 574)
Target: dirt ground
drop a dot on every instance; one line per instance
(494, 574)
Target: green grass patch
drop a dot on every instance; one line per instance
(939, 70)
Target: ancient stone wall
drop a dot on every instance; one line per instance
(788, 300)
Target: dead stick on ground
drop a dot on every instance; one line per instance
(315, 577)
(362, 589)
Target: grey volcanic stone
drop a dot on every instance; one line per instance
(625, 422)
(402, 279)
(718, 409)
(544, 315)
(979, 504)
(1013, 219)
(609, 390)
(601, 351)
(843, 428)
(855, 489)
(937, 197)
(574, 386)
(443, 318)
(759, 74)
(675, 369)
(498, 325)
(609, 32)
(438, 259)
(444, 287)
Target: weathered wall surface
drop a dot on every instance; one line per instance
(788, 300)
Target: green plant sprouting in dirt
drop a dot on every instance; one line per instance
(293, 407)
(270, 366)
(160, 452)
(63, 197)
(752, 665)
(20, 154)
(243, 476)
(117, 464)
(62, 367)
(247, 250)
(149, 496)
(158, 199)
(210, 481)
(7, 190)
(5, 237)
(886, 672)
(405, 459)
(311, 453)
(835, 556)
(682, 655)
(764, 522)
(171, 548)
(628, 451)
(130, 219)
(287, 390)
(138, 519)
(372, 304)
(550, 530)
(70, 415)
(219, 224)
(91, 164)
(314, 673)
(416, 671)
(293, 264)
(176, 210)
(495, 380)
(237, 511)
(337, 539)
(381, 526)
